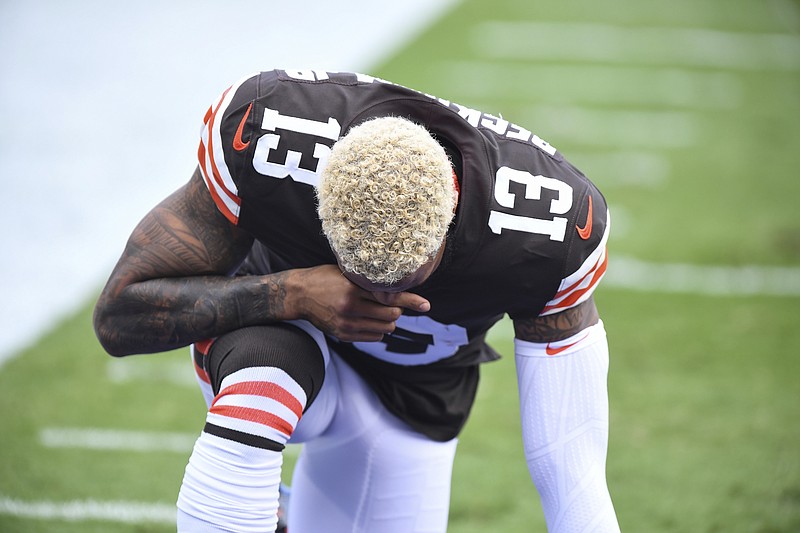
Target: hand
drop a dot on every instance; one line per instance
(340, 308)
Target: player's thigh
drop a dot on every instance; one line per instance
(369, 471)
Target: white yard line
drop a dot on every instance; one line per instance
(611, 128)
(152, 370)
(642, 276)
(82, 510)
(117, 439)
(747, 280)
(623, 168)
(125, 440)
(691, 47)
(595, 84)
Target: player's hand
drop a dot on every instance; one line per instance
(338, 307)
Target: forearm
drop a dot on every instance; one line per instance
(164, 314)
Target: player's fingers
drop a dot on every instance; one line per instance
(365, 330)
(381, 312)
(406, 300)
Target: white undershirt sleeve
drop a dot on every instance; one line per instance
(564, 408)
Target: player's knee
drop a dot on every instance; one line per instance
(263, 378)
(282, 345)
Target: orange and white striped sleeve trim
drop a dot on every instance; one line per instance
(579, 286)
(211, 157)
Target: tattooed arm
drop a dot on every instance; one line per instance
(166, 289)
(171, 287)
(559, 326)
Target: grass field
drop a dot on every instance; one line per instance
(687, 114)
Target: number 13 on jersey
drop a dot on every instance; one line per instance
(555, 228)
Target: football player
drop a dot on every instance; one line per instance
(336, 261)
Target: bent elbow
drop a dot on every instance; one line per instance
(112, 349)
(109, 343)
(107, 334)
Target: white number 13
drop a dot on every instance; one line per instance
(555, 228)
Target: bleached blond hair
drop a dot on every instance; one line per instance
(386, 199)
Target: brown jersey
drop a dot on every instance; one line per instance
(528, 239)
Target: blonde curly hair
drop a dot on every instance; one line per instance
(386, 198)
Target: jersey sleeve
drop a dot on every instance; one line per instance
(587, 257)
(221, 142)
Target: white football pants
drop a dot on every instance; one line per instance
(360, 470)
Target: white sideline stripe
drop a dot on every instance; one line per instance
(117, 439)
(81, 510)
(629, 273)
(597, 84)
(571, 41)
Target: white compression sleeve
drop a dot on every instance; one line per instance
(564, 409)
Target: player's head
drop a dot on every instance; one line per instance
(386, 198)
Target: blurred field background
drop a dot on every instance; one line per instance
(687, 114)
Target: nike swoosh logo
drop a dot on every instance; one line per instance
(238, 145)
(586, 231)
(555, 351)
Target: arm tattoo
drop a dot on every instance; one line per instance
(186, 234)
(171, 285)
(558, 326)
(163, 314)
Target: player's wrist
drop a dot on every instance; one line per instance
(286, 291)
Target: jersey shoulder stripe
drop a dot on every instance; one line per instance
(211, 157)
(579, 286)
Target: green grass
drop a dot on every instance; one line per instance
(705, 394)
(704, 433)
